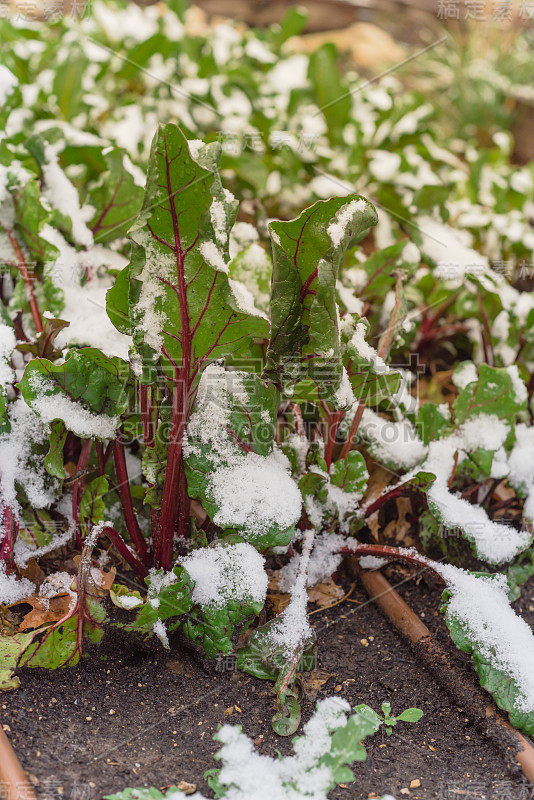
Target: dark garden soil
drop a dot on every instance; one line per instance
(129, 716)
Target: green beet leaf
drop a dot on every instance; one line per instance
(116, 198)
(87, 384)
(493, 393)
(307, 254)
(183, 310)
(350, 473)
(239, 450)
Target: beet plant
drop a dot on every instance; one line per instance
(254, 431)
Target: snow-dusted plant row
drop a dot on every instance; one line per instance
(215, 388)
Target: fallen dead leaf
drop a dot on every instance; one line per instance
(369, 45)
(104, 580)
(231, 710)
(503, 492)
(272, 579)
(100, 582)
(186, 788)
(33, 572)
(45, 611)
(398, 530)
(279, 600)
(379, 478)
(312, 682)
(178, 668)
(326, 593)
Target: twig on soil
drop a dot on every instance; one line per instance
(12, 777)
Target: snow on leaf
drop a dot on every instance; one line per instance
(493, 393)
(482, 623)
(87, 392)
(181, 307)
(231, 463)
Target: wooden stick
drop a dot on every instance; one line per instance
(13, 779)
(409, 625)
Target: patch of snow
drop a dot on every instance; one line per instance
(495, 542)
(291, 628)
(384, 165)
(464, 374)
(245, 299)
(395, 443)
(364, 349)
(17, 462)
(76, 417)
(344, 396)
(13, 590)
(213, 256)
(372, 562)
(8, 82)
(223, 573)
(447, 248)
(324, 561)
(161, 632)
(63, 195)
(7, 345)
(252, 491)
(337, 228)
(255, 493)
(128, 602)
(504, 639)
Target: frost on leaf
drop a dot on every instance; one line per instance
(232, 465)
(175, 295)
(87, 392)
(483, 623)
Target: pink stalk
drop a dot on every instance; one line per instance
(384, 551)
(123, 488)
(27, 280)
(334, 420)
(117, 541)
(11, 529)
(79, 484)
(147, 411)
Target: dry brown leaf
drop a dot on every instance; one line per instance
(368, 44)
(379, 478)
(105, 579)
(313, 681)
(45, 611)
(231, 710)
(325, 593)
(187, 788)
(101, 581)
(33, 572)
(398, 530)
(178, 668)
(503, 492)
(272, 578)
(279, 601)
(70, 468)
